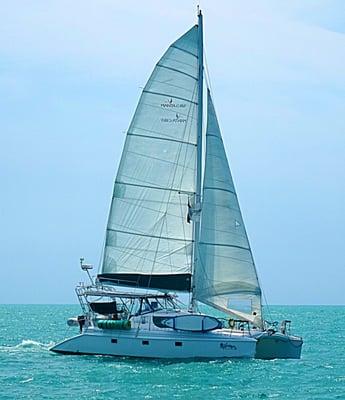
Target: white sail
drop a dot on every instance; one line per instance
(225, 276)
(148, 239)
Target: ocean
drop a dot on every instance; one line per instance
(29, 371)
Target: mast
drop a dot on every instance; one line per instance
(196, 230)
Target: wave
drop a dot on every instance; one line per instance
(27, 344)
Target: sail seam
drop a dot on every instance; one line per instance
(160, 159)
(218, 188)
(150, 236)
(155, 187)
(161, 138)
(169, 95)
(177, 70)
(168, 137)
(225, 245)
(186, 51)
(213, 135)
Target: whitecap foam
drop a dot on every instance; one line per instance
(27, 380)
(28, 344)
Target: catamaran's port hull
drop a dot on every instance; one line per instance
(211, 346)
(277, 345)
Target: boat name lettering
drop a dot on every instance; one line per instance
(228, 346)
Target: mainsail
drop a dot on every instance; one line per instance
(225, 276)
(148, 239)
(150, 242)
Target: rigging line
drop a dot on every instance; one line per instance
(178, 216)
(148, 259)
(155, 256)
(148, 242)
(176, 70)
(170, 95)
(132, 199)
(207, 75)
(153, 187)
(168, 245)
(100, 261)
(161, 138)
(147, 235)
(266, 304)
(132, 216)
(115, 246)
(183, 227)
(152, 229)
(133, 241)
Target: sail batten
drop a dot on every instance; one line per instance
(177, 70)
(173, 97)
(225, 245)
(186, 51)
(226, 276)
(161, 138)
(148, 240)
(219, 188)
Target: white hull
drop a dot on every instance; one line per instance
(164, 344)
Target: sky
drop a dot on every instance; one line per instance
(70, 77)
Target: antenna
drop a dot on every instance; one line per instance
(198, 10)
(87, 268)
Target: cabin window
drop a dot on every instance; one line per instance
(145, 342)
(114, 341)
(178, 344)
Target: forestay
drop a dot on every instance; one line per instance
(148, 240)
(225, 276)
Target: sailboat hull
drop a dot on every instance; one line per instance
(278, 345)
(165, 344)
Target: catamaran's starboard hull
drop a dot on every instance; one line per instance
(277, 345)
(211, 346)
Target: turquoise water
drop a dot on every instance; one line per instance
(29, 371)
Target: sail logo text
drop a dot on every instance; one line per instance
(177, 119)
(170, 104)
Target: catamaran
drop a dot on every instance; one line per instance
(175, 226)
